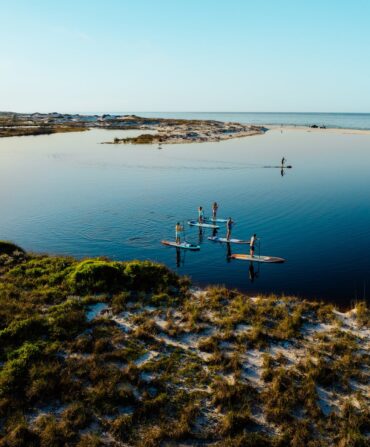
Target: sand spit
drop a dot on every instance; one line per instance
(325, 130)
(189, 131)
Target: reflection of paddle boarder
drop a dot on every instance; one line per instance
(180, 257)
(200, 235)
(229, 227)
(178, 230)
(252, 272)
(282, 172)
(228, 252)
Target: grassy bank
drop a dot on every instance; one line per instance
(98, 353)
(19, 131)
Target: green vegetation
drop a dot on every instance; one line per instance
(145, 138)
(8, 248)
(160, 365)
(20, 131)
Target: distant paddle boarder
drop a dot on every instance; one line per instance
(252, 244)
(178, 230)
(200, 214)
(283, 162)
(214, 210)
(229, 227)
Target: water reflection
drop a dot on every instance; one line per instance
(253, 273)
(200, 235)
(228, 252)
(180, 257)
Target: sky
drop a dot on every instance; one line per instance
(185, 55)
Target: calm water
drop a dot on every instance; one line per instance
(69, 194)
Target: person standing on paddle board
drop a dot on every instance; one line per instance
(252, 244)
(178, 231)
(283, 162)
(229, 227)
(200, 214)
(214, 210)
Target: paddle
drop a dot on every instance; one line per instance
(183, 229)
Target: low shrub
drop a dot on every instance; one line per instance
(150, 277)
(20, 436)
(8, 248)
(97, 276)
(119, 302)
(20, 331)
(236, 421)
(122, 426)
(232, 396)
(13, 375)
(90, 440)
(362, 314)
(66, 320)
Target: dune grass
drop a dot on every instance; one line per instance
(163, 365)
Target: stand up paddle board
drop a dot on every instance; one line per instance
(217, 220)
(183, 245)
(255, 258)
(230, 241)
(194, 223)
(280, 167)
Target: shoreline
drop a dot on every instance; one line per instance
(340, 130)
(161, 130)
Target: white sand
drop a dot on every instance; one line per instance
(310, 129)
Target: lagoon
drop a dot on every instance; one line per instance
(69, 194)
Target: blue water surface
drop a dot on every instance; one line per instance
(69, 194)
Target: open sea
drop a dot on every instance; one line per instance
(69, 194)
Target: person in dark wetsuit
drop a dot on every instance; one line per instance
(229, 227)
(283, 162)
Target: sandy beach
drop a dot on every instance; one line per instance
(335, 130)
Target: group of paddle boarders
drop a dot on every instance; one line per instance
(179, 229)
(214, 222)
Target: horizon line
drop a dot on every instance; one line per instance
(189, 111)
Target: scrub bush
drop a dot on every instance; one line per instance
(8, 248)
(150, 277)
(97, 276)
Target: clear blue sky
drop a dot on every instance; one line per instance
(185, 55)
